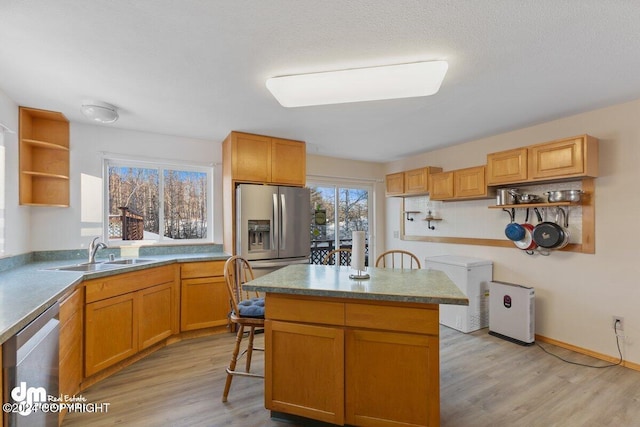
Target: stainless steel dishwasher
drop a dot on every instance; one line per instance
(30, 369)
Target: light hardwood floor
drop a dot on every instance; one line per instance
(485, 381)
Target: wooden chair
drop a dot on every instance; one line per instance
(344, 257)
(398, 258)
(247, 311)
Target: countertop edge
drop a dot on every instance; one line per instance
(358, 295)
(63, 281)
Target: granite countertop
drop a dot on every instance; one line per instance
(384, 284)
(29, 289)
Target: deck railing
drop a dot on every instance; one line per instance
(127, 226)
(321, 248)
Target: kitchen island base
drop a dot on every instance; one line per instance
(348, 361)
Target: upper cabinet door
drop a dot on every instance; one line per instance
(507, 166)
(416, 181)
(441, 186)
(288, 162)
(251, 158)
(561, 158)
(470, 182)
(394, 184)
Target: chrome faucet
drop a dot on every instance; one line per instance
(93, 248)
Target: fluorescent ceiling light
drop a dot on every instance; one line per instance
(359, 84)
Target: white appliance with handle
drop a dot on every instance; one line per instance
(512, 312)
(472, 277)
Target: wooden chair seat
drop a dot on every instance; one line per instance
(237, 271)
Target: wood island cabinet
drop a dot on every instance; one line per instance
(355, 362)
(44, 158)
(127, 313)
(204, 300)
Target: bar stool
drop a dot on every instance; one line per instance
(246, 312)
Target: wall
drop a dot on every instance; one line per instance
(73, 227)
(349, 171)
(17, 218)
(576, 294)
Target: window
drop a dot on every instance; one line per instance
(158, 203)
(338, 211)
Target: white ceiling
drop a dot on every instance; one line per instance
(197, 68)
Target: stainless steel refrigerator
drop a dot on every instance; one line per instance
(272, 225)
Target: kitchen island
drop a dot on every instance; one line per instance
(355, 352)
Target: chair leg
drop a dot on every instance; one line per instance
(232, 364)
(250, 349)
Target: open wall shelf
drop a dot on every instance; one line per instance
(44, 158)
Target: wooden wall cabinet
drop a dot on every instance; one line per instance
(460, 184)
(507, 166)
(266, 160)
(44, 158)
(70, 348)
(413, 182)
(204, 299)
(127, 313)
(352, 362)
(394, 184)
(568, 158)
(442, 184)
(571, 157)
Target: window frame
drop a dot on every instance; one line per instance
(160, 165)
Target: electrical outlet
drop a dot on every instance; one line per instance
(620, 325)
(396, 234)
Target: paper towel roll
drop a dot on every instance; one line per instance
(357, 250)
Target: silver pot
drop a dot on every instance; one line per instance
(528, 198)
(506, 196)
(564, 195)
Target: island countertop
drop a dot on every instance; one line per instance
(384, 284)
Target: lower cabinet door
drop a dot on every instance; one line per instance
(304, 370)
(392, 379)
(157, 314)
(204, 303)
(111, 332)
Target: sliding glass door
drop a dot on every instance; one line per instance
(338, 210)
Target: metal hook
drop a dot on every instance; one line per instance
(512, 213)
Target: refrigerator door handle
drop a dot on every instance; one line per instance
(274, 224)
(283, 222)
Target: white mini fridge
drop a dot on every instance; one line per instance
(472, 276)
(512, 312)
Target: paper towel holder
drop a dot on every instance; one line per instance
(361, 275)
(358, 255)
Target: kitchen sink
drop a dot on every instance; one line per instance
(99, 266)
(85, 267)
(129, 261)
